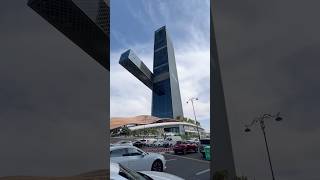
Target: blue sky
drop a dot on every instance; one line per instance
(133, 23)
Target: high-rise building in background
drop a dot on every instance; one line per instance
(166, 98)
(168, 103)
(86, 23)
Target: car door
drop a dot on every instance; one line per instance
(118, 156)
(137, 160)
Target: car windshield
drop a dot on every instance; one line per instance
(131, 175)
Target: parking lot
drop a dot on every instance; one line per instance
(190, 166)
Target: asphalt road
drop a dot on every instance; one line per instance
(190, 166)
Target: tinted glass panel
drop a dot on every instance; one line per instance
(160, 39)
(133, 152)
(160, 57)
(162, 105)
(117, 153)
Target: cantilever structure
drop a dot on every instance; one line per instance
(135, 66)
(166, 99)
(85, 24)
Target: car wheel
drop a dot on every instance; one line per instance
(157, 166)
(184, 151)
(175, 152)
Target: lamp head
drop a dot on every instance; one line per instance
(278, 118)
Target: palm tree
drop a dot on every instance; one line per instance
(125, 131)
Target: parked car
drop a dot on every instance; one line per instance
(136, 159)
(190, 141)
(124, 142)
(119, 172)
(146, 141)
(171, 141)
(158, 143)
(138, 144)
(150, 141)
(184, 147)
(167, 143)
(203, 143)
(194, 140)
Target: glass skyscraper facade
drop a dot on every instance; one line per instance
(168, 103)
(86, 23)
(134, 65)
(97, 11)
(166, 98)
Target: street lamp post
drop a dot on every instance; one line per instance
(144, 127)
(260, 120)
(194, 113)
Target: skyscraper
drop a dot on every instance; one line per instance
(165, 78)
(166, 98)
(86, 23)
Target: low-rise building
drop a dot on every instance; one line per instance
(159, 126)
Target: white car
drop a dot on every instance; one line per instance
(136, 159)
(158, 143)
(148, 141)
(171, 140)
(119, 172)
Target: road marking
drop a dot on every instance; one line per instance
(189, 158)
(202, 172)
(171, 160)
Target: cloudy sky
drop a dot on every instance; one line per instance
(269, 57)
(132, 26)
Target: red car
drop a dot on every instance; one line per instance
(184, 147)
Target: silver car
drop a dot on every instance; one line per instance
(136, 159)
(119, 172)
